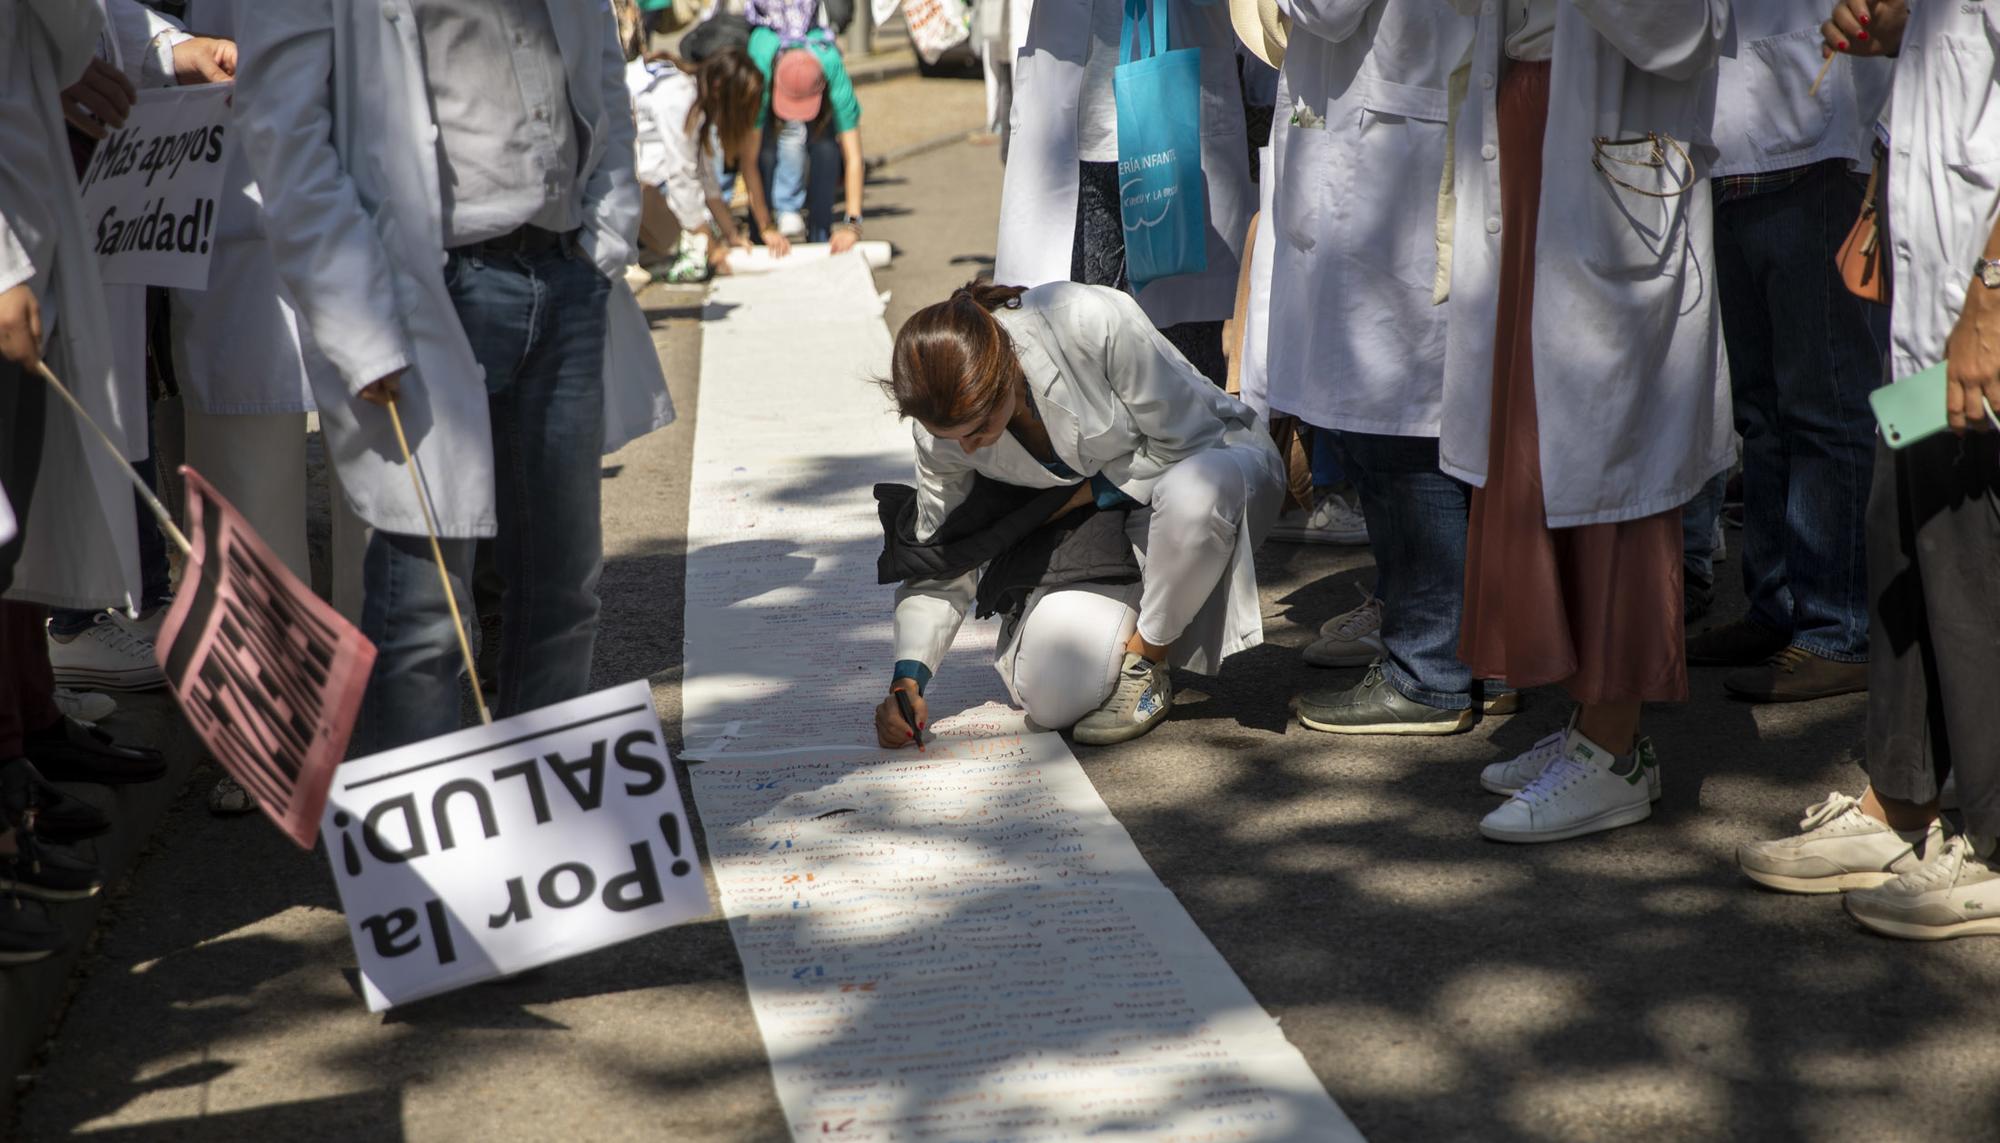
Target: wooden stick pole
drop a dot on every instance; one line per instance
(1823, 69)
(437, 554)
(160, 512)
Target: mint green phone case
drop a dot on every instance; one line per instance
(1911, 409)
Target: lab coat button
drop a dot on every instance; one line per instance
(1489, 151)
(1492, 226)
(390, 14)
(1486, 81)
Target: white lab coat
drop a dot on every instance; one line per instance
(1944, 173)
(351, 207)
(1039, 193)
(1360, 150)
(1630, 383)
(669, 158)
(1117, 399)
(1767, 117)
(139, 42)
(80, 547)
(240, 346)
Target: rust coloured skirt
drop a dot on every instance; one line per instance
(1595, 608)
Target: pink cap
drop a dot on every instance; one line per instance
(797, 85)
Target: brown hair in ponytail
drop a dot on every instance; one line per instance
(953, 364)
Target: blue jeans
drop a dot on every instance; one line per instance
(1416, 527)
(1698, 517)
(824, 167)
(788, 181)
(1325, 459)
(1803, 355)
(536, 325)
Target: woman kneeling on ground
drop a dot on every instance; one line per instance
(1067, 385)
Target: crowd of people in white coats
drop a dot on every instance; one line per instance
(436, 206)
(1515, 287)
(1739, 220)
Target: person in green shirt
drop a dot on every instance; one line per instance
(808, 84)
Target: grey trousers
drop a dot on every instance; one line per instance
(1934, 623)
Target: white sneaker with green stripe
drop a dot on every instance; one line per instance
(1585, 789)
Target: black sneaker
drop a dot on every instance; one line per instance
(26, 932)
(58, 816)
(48, 871)
(71, 751)
(1375, 707)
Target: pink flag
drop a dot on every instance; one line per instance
(268, 674)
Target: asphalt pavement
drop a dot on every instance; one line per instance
(1442, 986)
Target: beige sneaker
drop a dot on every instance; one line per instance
(1141, 701)
(1351, 639)
(1954, 894)
(1837, 848)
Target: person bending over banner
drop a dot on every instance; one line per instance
(1070, 387)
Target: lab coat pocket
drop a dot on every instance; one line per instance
(1792, 115)
(1386, 218)
(1308, 182)
(1633, 222)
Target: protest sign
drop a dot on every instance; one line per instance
(500, 848)
(150, 189)
(269, 676)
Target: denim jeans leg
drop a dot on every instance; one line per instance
(788, 180)
(1326, 462)
(825, 167)
(1416, 527)
(1804, 355)
(548, 440)
(413, 691)
(1698, 517)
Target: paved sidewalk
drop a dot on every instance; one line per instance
(1443, 987)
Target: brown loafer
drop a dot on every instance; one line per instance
(1796, 675)
(1738, 643)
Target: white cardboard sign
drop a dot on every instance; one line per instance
(496, 849)
(149, 191)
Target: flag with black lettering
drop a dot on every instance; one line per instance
(268, 674)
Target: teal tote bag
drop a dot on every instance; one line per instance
(1162, 200)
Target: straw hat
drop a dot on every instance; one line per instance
(1262, 28)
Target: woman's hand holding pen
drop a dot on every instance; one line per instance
(901, 717)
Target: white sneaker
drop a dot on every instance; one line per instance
(1583, 790)
(791, 224)
(1513, 776)
(108, 656)
(1954, 894)
(1837, 847)
(147, 626)
(85, 706)
(1719, 550)
(1141, 700)
(1334, 520)
(1351, 639)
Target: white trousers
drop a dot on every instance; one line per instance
(1187, 537)
(258, 462)
(1061, 660)
(1067, 649)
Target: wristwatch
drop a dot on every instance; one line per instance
(1987, 272)
(853, 222)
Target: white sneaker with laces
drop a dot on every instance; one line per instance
(108, 655)
(1141, 700)
(1583, 790)
(85, 706)
(1954, 894)
(1837, 848)
(1334, 520)
(791, 224)
(1351, 639)
(1513, 776)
